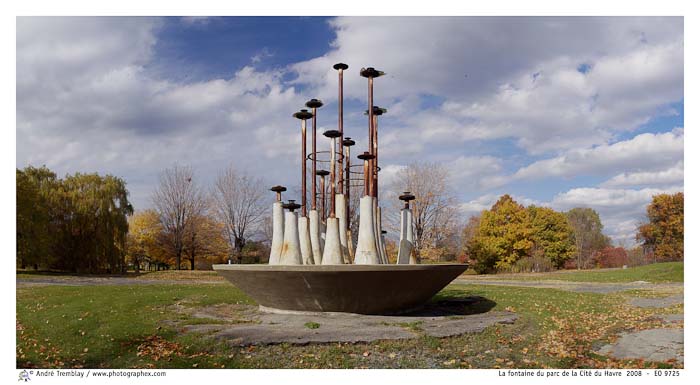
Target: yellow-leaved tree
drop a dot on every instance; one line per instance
(143, 239)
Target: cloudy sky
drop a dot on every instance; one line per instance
(562, 112)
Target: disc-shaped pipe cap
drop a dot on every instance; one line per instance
(314, 103)
(365, 156)
(407, 196)
(303, 115)
(370, 72)
(278, 189)
(347, 142)
(377, 111)
(332, 134)
(291, 205)
(322, 173)
(340, 66)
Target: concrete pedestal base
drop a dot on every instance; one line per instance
(361, 289)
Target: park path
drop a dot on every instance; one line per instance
(581, 287)
(106, 281)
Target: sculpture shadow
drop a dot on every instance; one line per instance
(453, 304)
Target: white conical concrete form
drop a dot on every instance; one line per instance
(305, 241)
(409, 235)
(366, 253)
(277, 233)
(332, 252)
(404, 255)
(314, 234)
(291, 252)
(342, 226)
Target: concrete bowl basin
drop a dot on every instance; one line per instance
(361, 289)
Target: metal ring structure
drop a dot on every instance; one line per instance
(310, 156)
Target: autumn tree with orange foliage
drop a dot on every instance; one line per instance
(663, 235)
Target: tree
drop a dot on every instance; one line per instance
(95, 222)
(664, 232)
(239, 204)
(504, 236)
(78, 223)
(552, 235)
(204, 238)
(434, 209)
(470, 230)
(143, 238)
(34, 234)
(588, 234)
(178, 201)
(610, 257)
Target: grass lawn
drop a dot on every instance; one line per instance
(656, 273)
(137, 326)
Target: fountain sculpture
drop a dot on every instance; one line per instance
(314, 264)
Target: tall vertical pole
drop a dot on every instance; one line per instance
(366, 157)
(303, 115)
(323, 174)
(376, 112)
(313, 160)
(370, 73)
(332, 213)
(370, 92)
(314, 104)
(332, 135)
(347, 143)
(303, 168)
(375, 146)
(341, 67)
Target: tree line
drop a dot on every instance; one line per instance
(85, 223)
(189, 223)
(77, 223)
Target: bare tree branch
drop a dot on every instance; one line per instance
(239, 203)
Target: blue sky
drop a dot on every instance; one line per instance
(562, 112)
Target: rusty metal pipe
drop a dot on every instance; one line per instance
(278, 190)
(332, 135)
(366, 157)
(332, 214)
(375, 145)
(303, 168)
(313, 161)
(323, 174)
(347, 143)
(340, 67)
(303, 115)
(376, 112)
(371, 73)
(314, 104)
(370, 91)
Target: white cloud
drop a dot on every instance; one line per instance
(642, 152)
(670, 176)
(510, 77)
(86, 100)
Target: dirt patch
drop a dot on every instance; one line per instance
(658, 345)
(671, 318)
(580, 287)
(657, 302)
